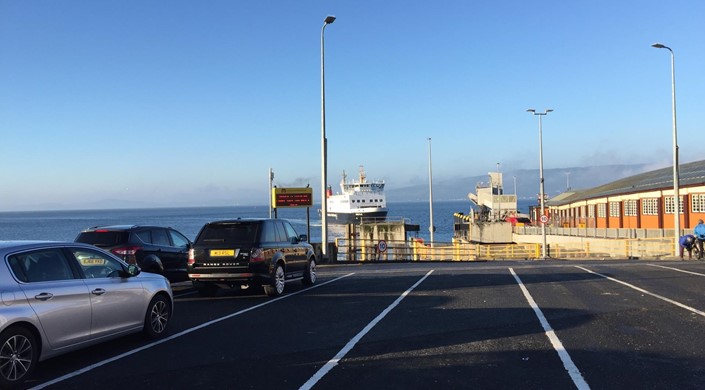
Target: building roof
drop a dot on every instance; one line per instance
(690, 174)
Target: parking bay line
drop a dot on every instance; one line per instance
(572, 369)
(661, 297)
(677, 269)
(351, 344)
(175, 336)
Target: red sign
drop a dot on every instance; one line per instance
(292, 197)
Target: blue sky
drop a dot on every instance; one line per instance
(186, 103)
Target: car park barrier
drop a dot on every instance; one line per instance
(362, 250)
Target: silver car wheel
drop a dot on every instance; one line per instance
(16, 357)
(159, 316)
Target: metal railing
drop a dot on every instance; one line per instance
(620, 233)
(361, 250)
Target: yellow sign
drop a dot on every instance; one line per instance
(292, 197)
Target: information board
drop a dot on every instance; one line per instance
(292, 197)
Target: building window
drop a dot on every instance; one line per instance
(591, 211)
(614, 209)
(630, 208)
(649, 206)
(602, 210)
(668, 207)
(582, 211)
(698, 201)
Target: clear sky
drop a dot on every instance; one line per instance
(190, 103)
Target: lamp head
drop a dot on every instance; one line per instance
(329, 19)
(549, 110)
(531, 110)
(658, 46)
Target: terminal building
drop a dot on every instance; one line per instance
(643, 201)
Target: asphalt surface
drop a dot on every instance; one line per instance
(528, 325)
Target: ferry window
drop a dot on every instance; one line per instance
(649, 206)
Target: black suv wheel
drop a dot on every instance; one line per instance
(276, 286)
(310, 273)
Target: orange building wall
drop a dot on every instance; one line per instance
(650, 222)
(631, 222)
(573, 217)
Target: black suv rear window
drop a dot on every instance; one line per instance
(103, 238)
(229, 233)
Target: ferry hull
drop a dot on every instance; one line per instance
(353, 218)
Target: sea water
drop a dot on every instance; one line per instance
(66, 225)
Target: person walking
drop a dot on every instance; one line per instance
(699, 232)
(687, 242)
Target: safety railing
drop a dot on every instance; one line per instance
(361, 250)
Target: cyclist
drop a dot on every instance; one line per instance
(699, 232)
(687, 242)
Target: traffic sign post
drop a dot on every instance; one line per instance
(382, 246)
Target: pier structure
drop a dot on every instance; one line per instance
(491, 214)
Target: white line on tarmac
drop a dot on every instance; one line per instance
(340, 355)
(677, 269)
(572, 369)
(177, 335)
(661, 297)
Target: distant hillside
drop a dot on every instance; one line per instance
(527, 182)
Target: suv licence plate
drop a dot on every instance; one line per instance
(222, 252)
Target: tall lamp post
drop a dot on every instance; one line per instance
(431, 228)
(324, 156)
(541, 190)
(676, 194)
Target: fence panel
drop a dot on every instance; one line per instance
(360, 250)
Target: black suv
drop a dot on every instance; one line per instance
(161, 250)
(263, 252)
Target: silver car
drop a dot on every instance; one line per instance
(57, 297)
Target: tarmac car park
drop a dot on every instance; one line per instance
(501, 324)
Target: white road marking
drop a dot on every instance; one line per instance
(677, 269)
(572, 369)
(177, 335)
(661, 297)
(351, 344)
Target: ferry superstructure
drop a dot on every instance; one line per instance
(359, 199)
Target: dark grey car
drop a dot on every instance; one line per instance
(156, 249)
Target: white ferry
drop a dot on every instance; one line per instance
(358, 200)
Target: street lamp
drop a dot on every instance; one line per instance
(541, 190)
(431, 228)
(324, 180)
(676, 194)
